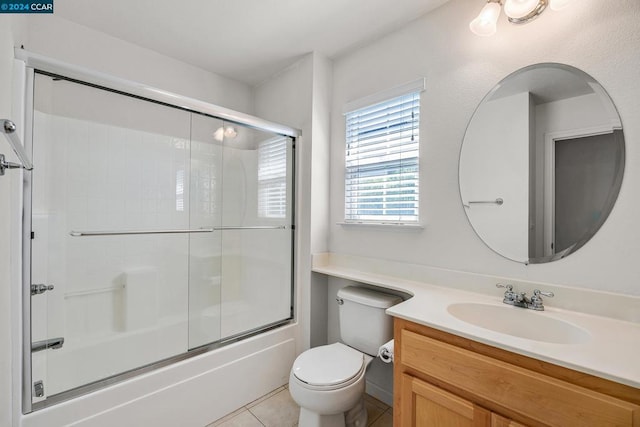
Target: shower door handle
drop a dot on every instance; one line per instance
(52, 343)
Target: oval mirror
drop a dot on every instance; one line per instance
(541, 163)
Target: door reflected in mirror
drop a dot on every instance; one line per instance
(541, 163)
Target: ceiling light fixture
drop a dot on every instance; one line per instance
(517, 11)
(523, 11)
(485, 23)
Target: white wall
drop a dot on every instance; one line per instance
(6, 46)
(320, 194)
(460, 68)
(9, 27)
(73, 43)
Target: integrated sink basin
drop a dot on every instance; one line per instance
(519, 322)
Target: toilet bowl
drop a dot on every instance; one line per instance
(328, 382)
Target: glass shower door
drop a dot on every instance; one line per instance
(109, 201)
(205, 250)
(256, 230)
(240, 275)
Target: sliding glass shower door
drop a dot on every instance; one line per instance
(240, 275)
(154, 231)
(205, 250)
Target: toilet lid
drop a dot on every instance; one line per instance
(328, 365)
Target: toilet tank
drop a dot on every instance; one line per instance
(363, 322)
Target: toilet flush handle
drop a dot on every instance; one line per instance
(340, 301)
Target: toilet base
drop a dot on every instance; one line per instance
(354, 417)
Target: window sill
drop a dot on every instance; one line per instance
(388, 225)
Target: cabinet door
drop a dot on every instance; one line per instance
(426, 405)
(500, 421)
(541, 398)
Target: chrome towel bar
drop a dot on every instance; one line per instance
(125, 232)
(177, 231)
(251, 227)
(499, 201)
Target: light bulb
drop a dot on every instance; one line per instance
(218, 135)
(225, 132)
(230, 132)
(519, 8)
(559, 4)
(485, 23)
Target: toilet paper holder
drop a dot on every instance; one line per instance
(385, 353)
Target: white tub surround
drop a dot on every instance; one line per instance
(601, 353)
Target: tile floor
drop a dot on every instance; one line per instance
(277, 409)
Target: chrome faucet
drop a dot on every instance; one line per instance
(520, 299)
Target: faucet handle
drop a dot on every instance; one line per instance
(536, 300)
(538, 292)
(502, 285)
(510, 297)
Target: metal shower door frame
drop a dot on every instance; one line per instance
(27, 64)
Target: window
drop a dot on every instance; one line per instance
(272, 178)
(381, 177)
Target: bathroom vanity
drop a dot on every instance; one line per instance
(463, 358)
(470, 360)
(444, 379)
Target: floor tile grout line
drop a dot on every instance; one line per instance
(256, 417)
(376, 402)
(228, 417)
(264, 398)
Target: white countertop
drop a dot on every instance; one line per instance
(612, 351)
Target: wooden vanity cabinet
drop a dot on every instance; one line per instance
(423, 404)
(445, 380)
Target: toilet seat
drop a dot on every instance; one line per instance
(329, 367)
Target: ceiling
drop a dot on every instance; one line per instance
(246, 40)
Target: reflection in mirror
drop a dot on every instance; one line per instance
(541, 163)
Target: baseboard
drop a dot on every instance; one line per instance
(379, 393)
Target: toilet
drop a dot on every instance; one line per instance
(328, 382)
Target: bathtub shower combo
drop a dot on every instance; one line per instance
(152, 232)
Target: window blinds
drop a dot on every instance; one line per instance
(381, 177)
(272, 178)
